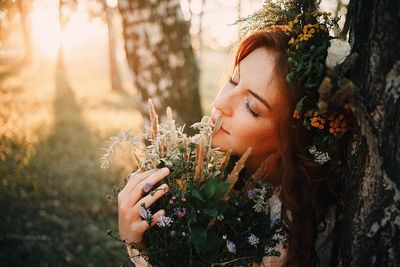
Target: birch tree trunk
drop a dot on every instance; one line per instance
(369, 217)
(23, 9)
(116, 84)
(159, 53)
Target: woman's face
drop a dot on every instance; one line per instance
(248, 105)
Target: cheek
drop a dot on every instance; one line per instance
(260, 136)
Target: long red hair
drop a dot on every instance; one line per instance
(305, 185)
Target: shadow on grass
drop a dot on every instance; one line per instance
(59, 214)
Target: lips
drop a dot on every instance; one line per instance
(213, 121)
(222, 129)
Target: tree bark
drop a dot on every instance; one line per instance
(369, 218)
(159, 53)
(116, 84)
(23, 9)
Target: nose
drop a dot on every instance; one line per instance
(224, 102)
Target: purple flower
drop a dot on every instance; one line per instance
(147, 187)
(251, 194)
(253, 240)
(231, 246)
(180, 212)
(164, 221)
(145, 213)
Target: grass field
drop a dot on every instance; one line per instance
(54, 198)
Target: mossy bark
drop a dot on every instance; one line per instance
(368, 228)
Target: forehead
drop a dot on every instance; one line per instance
(257, 72)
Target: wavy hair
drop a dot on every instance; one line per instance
(306, 186)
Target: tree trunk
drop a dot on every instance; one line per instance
(23, 9)
(159, 52)
(114, 73)
(369, 217)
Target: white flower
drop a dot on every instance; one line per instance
(337, 53)
(231, 246)
(319, 157)
(253, 240)
(164, 221)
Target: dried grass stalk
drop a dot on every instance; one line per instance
(153, 120)
(234, 175)
(225, 161)
(170, 119)
(257, 176)
(200, 156)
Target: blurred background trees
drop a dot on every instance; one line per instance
(160, 55)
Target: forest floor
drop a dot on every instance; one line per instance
(54, 197)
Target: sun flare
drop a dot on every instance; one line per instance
(47, 35)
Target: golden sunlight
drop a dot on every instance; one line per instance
(46, 33)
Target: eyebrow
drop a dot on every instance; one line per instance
(262, 100)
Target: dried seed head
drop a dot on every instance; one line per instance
(325, 88)
(153, 120)
(233, 177)
(322, 106)
(261, 173)
(162, 148)
(341, 95)
(225, 161)
(170, 119)
(200, 156)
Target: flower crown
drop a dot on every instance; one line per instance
(313, 56)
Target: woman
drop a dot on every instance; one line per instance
(256, 107)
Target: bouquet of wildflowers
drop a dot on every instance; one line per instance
(207, 221)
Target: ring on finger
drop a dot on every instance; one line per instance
(147, 187)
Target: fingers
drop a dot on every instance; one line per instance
(136, 178)
(153, 196)
(156, 217)
(136, 193)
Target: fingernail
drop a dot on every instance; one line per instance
(165, 170)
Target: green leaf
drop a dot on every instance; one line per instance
(197, 194)
(214, 189)
(211, 212)
(199, 237)
(221, 189)
(209, 188)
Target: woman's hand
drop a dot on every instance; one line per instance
(131, 200)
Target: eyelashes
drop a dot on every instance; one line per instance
(247, 103)
(230, 80)
(252, 112)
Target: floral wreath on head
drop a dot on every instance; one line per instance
(313, 55)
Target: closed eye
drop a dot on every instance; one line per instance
(252, 112)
